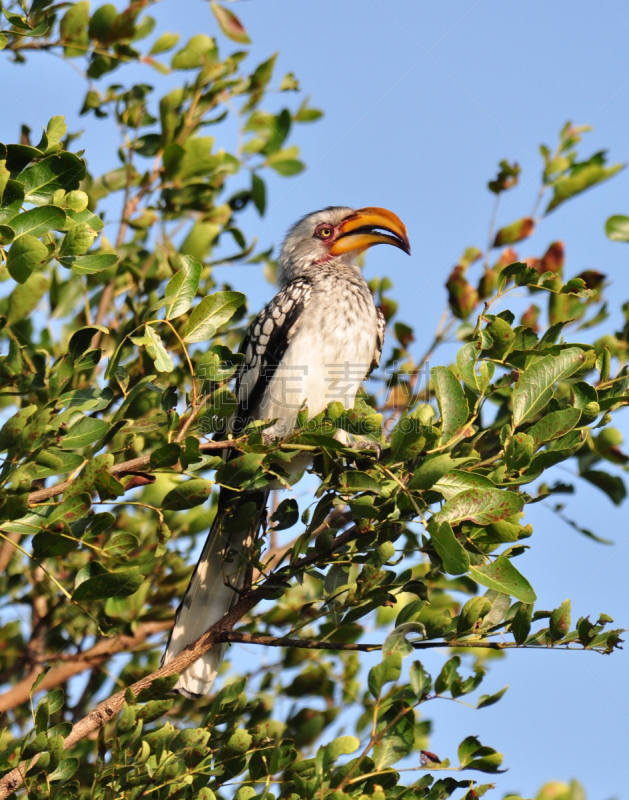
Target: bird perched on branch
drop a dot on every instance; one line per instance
(314, 343)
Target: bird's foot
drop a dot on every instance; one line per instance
(374, 447)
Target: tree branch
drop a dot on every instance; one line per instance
(7, 549)
(106, 710)
(125, 466)
(96, 655)
(274, 555)
(313, 644)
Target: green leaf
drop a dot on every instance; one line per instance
(388, 670)
(77, 217)
(26, 296)
(192, 55)
(164, 43)
(39, 221)
(26, 255)
(187, 495)
(457, 481)
(58, 171)
(155, 348)
(286, 514)
(502, 576)
(238, 472)
(559, 623)
(612, 485)
(230, 24)
(77, 240)
(501, 337)
(452, 403)
(480, 506)
(408, 437)
(182, 288)
(212, 312)
(554, 425)
(396, 641)
(258, 193)
(486, 700)
(87, 431)
(286, 166)
(343, 746)
(617, 228)
(50, 545)
(521, 624)
(120, 544)
(55, 131)
(473, 755)
(71, 510)
(534, 387)
(433, 469)
(420, 680)
(589, 174)
(354, 480)
(81, 341)
(56, 462)
(466, 361)
(515, 232)
(12, 200)
(13, 427)
(65, 770)
(448, 675)
(166, 456)
(397, 737)
(455, 558)
(475, 609)
(89, 265)
(109, 584)
(102, 22)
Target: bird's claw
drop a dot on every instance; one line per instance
(374, 447)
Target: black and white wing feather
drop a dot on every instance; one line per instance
(382, 324)
(264, 346)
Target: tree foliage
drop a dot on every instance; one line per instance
(116, 369)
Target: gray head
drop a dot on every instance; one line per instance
(337, 234)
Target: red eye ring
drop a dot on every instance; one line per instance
(324, 231)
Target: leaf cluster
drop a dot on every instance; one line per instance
(117, 370)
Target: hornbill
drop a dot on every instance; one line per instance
(315, 342)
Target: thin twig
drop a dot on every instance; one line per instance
(79, 662)
(7, 549)
(133, 465)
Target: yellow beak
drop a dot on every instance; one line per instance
(369, 226)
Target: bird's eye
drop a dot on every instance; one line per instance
(324, 231)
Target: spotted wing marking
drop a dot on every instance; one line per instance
(382, 323)
(264, 346)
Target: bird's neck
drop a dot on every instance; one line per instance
(324, 272)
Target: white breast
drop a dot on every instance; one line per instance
(326, 361)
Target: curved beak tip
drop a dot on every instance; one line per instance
(370, 226)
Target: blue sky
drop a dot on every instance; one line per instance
(421, 101)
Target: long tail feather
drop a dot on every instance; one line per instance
(212, 591)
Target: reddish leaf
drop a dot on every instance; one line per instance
(515, 232)
(230, 24)
(462, 296)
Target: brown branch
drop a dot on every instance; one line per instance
(274, 555)
(7, 549)
(106, 710)
(313, 644)
(125, 466)
(305, 644)
(96, 655)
